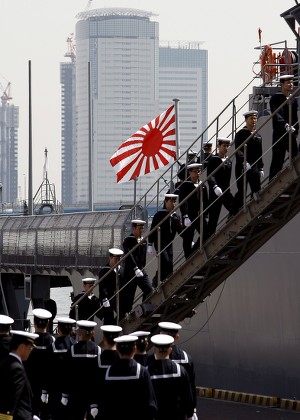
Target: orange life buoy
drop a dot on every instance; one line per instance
(288, 59)
(268, 64)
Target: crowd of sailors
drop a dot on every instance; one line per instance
(71, 377)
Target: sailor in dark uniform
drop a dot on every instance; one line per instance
(56, 359)
(37, 361)
(128, 391)
(170, 382)
(254, 164)
(109, 354)
(284, 124)
(109, 287)
(180, 356)
(89, 306)
(5, 337)
(142, 344)
(219, 184)
(206, 154)
(15, 389)
(134, 268)
(81, 389)
(168, 230)
(190, 209)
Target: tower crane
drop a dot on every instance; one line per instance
(5, 93)
(71, 53)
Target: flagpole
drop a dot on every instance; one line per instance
(175, 100)
(134, 196)
(90, 147)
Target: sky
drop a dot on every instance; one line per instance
(37, 31)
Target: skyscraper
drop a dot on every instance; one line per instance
(9, 124)
(131, 81)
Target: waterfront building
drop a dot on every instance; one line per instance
(118, 56)
(9, 124)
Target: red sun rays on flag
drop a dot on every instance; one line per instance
(150, 148)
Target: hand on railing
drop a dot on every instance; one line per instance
(247, 166)
(64, 399)
(186, 221)
(218, 191)
(261, 174)
(94, 411)
(106, 303)
(138, 272)
(289, 128)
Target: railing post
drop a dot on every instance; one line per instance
(201, 215)
(245, 178)
(290, 135)
(117, 294)
(158, 256)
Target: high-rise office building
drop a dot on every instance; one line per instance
(183, 74)
(9, 124)
(125, 80)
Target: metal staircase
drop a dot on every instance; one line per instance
(241, 236)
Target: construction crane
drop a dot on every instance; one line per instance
(71, 53)
(5, 93)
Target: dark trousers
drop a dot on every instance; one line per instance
(227, 200)
(131, 282)
(252, 178)
(278, 153)
(188, 236)
(166, 265)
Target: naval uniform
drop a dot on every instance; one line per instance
(221, 178)
(127, 392)
(168, 230)
(253, 157)
(129, 280)
(82, 379)
(279, 120)
(191, 208)
(172, 390)
(35, 365)
(15, 389)
(4, 346)
(107, 290)
(87, 307)
(53, 381)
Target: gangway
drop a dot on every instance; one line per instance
(241, 236)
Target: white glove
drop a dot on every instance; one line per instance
(45, 397)
(195, 417)
(64, 399)
(248, 166)
(106, 303)
(217, 191)
(186, 221)
(94, 411)
(289, 128)
(138, 272)
(261, 174)
(35, 417)
(150, 249)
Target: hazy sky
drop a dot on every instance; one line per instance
(37, 30)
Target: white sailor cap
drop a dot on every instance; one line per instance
(140, 334)
(285, 77)
(126, 339)
(86, 325)
(192, 152)
(42, 313)
(222, 140)
(89, 280)
(138, 222)
(116, 252)
(169, 326)
(194, 166)
(162, 340)
(6, 320)
(23, 337)
(171, 196)
(112, 329)
(251, 112)
(65, 320)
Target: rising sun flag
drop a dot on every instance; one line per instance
(150, 148)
